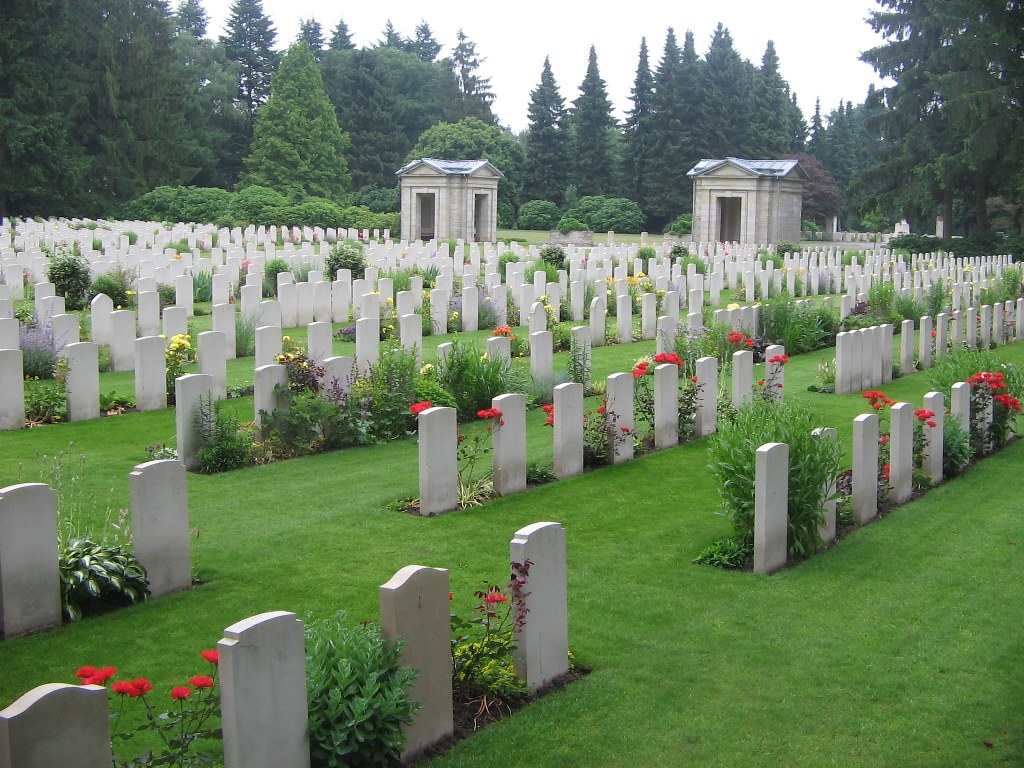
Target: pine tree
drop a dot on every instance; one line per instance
(770, 133)
(668, 116)
(476, 91)
(591, 118)
(547, 143)
(729, 79)
(312, 34)
(797, 126)
(423, 44)
(191, 17)
(250, 41)
(297, 145)
(341, 38)
(817, 132)
(392, 38)
(638, 161)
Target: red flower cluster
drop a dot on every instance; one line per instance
(132, 689)
(417, 408)
(923, 414)
(878, 399)
(550, 411)
(211, 656)
(668, 357)
(490, 413)
(885, 471)
(492, 598)
(93, 676)
(1009, 402)
(503, 331)
(180, 692)
(641, 369)
(993, 381)
(737, 339)
(780, 359)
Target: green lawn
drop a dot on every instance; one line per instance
(898, 647)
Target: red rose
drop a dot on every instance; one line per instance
(124, 688)
(494, 597)
(84, 672)
(202, 681)
(418, 408)
(211, 656)
(143, 686)
(180, 692)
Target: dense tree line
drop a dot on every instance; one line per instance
(120, 97)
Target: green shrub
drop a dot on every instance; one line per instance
(679, 252)
(553, 255)
(568, 224)
(203, 205)
(311, 212)
(224, 445)
(46, 402)
(430, 391)
(550, 270)
(683, 225)
(787, 247)
(358, 693)
(38, 352)
(379, 199)
(538, 214)
(506, 258)
(936, 298)
(345, 254)
(813, 464)
(916, 244)
(799, 330)
(956, 447)
(70, 276)
(245, 335)
(473, 381)
(733, 552)
(94, 576)
(202, 287)
(117, 284)
(388, 391)
(270, 272)
(961, 363)
(256, 205)
(807, 225)
(602, 214)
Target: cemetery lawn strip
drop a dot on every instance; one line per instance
(897, 647)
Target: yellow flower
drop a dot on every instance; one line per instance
(483, 356)
(734, 305)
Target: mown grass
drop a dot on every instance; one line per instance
(897, 647)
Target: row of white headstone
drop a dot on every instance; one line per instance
(438, 427)
(264, 711)
(30, 598)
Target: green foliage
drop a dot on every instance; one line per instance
(379, 199)
(785, 246)
(733, 552)
(961, 363)
(602, 214)
(473, 381)
(297, 146)
(202, 287)
(540, 474)
(430, 391)
(202, 205)
(115, 283)
(682, 225)
(506, 258)
(568, 224)
(936, 298)
(358, 692)
(345, 254)
(551, 270)
(956, 447)
(270, 272)
(916, 244)
(96, 576)
(224, 445)
(813, 464)
(38, 351)
(881, 296)
(903, 308)
(46, 402)
(388, 391)
(311, 212)
(70, 276)
(553, 255)
(538, 214)
(799, 330)
(256, 204)
(245, 335)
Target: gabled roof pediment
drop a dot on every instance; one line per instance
(733, 166)
(451, 167)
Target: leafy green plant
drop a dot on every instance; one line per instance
(538, 214)
(682, 225)
(813, 463)
(961, 363)
(117, 284)
(46, 402)
(224, 445)
(733, 552)
(270, 272)
(345, 254)
(550, 271)
(956, 447)
(474, 379)
(504, 260)
(936, 298)
(358, 693)
(96, 576)
(70, 275)
(388, 390)
(245, 335)
(554, 255)
(38, 352)
(202, 287)
(568, 224)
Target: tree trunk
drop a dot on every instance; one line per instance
(947, 209)
(981, 203)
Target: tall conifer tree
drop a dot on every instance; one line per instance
(250, 41)
(546, 145)
(639, 161)
(591, 121)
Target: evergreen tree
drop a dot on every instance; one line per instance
(546, 143)
(191, 17)
(250, 41)
(341, 38)
(817, 133)
(43, 171)
(297, 147)
(771, 126)
(424, 45)
(727, 120)
(797, 126)
(392, 38)
(668, 108)
(123, 52)
(476, 91)
(312, 34)
(638, 161)
(591, 119)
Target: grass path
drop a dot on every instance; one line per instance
(900, 646)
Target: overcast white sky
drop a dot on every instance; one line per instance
(818, 41)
